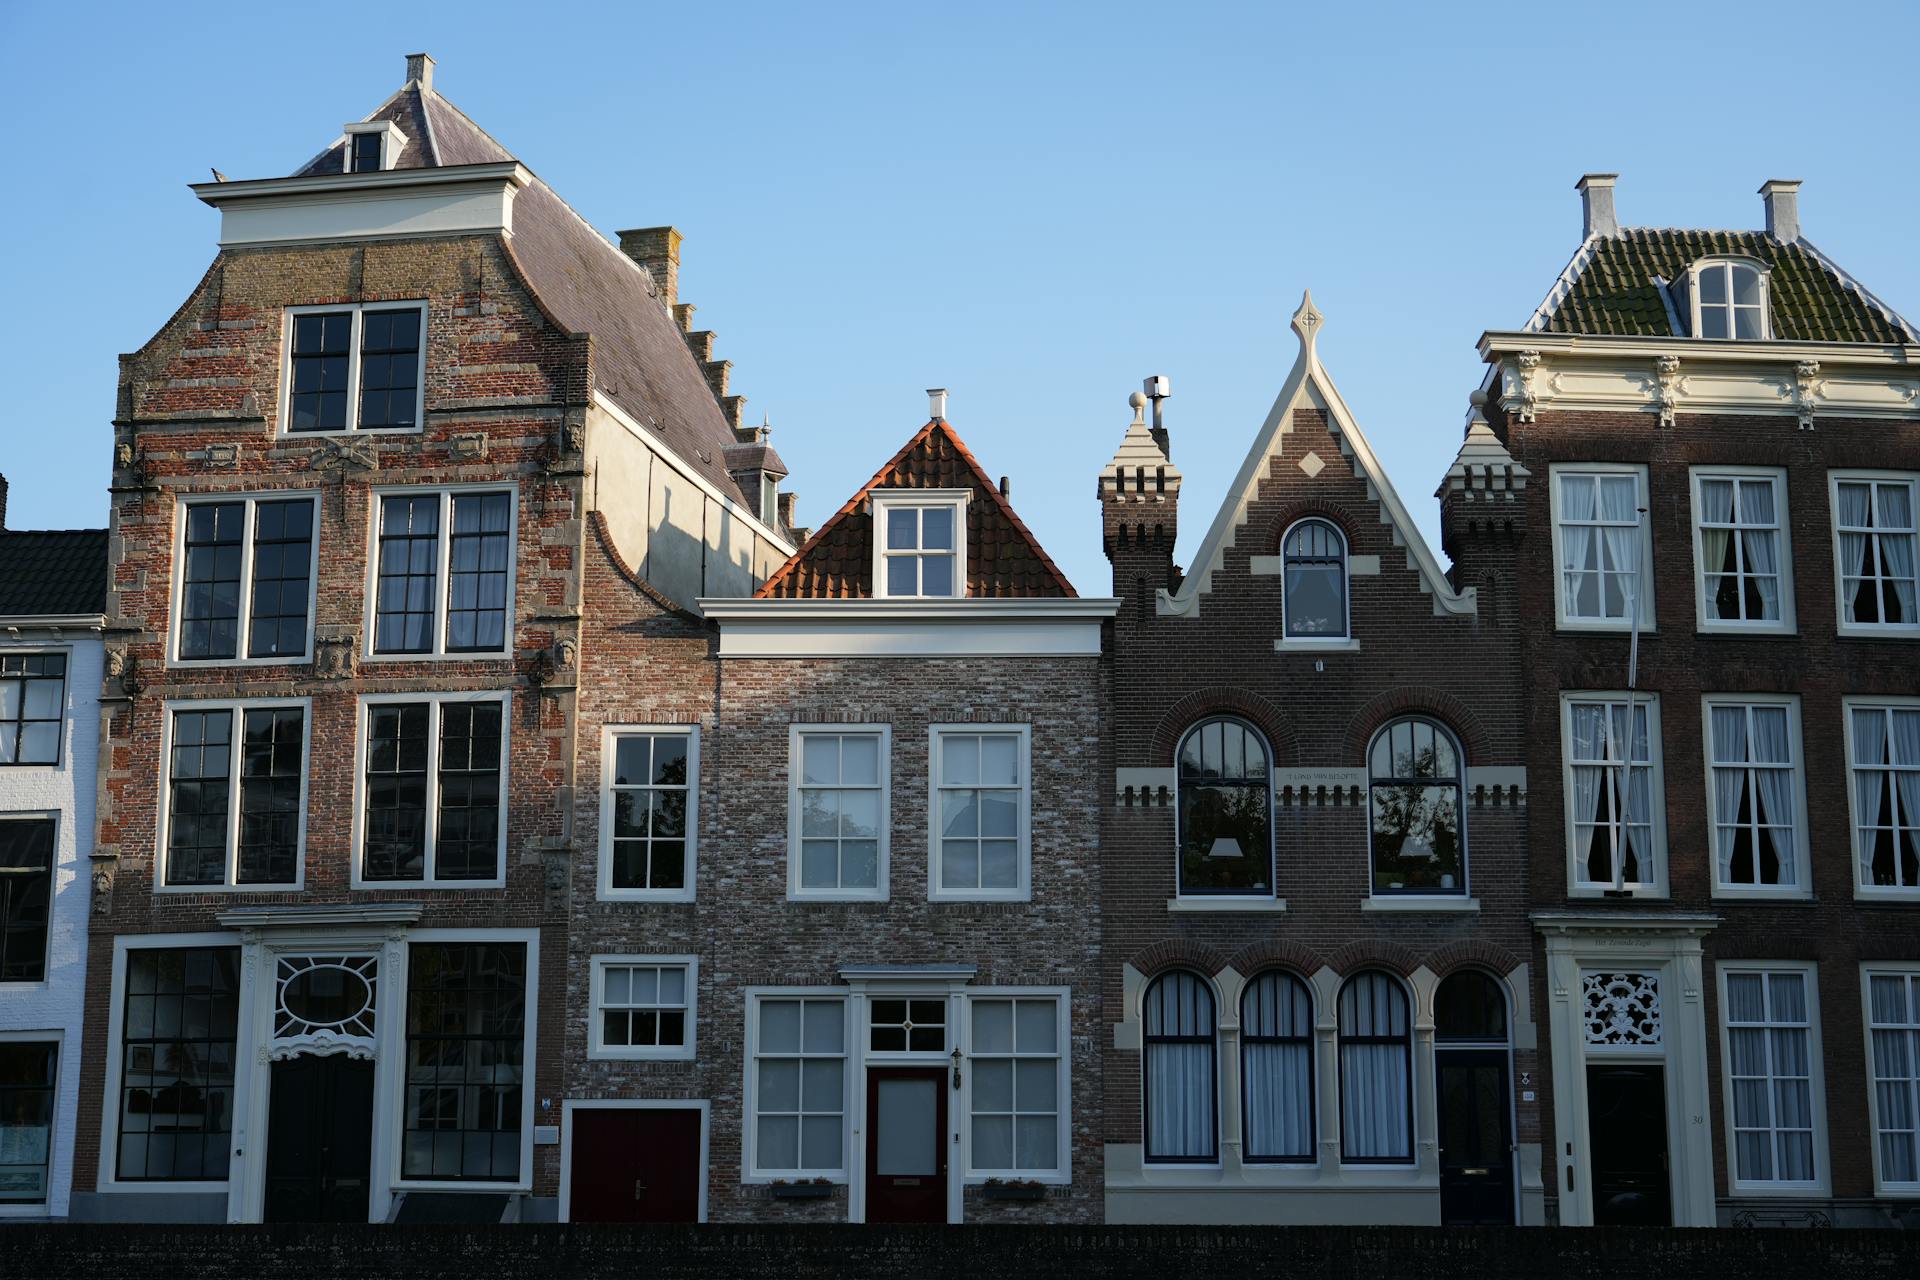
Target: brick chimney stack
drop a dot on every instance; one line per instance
(658, 250)
(1139, 512)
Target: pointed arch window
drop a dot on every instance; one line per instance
(1376, 1072)
(1314, 600)
(1276, 1069)
(1225, 809)
(1181, 1098)
(1419, 828)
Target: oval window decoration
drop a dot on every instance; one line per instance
(326, 995)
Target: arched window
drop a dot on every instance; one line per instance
(1225, 809)
(1470, 1006)
(1729, 300)
(1419, 829)
(1376, 1072)
(1315, 598)
(1180, 1095)
(1276, 1068)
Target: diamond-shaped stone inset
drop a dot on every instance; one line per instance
(1312, 465)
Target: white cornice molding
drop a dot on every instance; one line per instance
(995, 628)
(219, 194)
(390, 204)
(52, 622)
(996, 608)
(1498, 342)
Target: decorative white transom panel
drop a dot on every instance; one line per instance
(1623, 1009)
(325, 1004)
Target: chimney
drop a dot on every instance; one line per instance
(420, 67)
(1159, 389)
(937, 403)
(658, 250)
(1781, 196)
(1596, 204)
(784, 502)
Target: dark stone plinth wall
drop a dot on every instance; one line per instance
(977, 1253)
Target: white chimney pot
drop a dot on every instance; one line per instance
(937, 403)
(1596, 204)
(1781, 197)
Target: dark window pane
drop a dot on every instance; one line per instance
(270, 796)
(199, 767)
(321, 346)
(27, 1081)
(26, 890)
(477, 568)
(389, 368)
(467, 842)
(33, 700)
(176, 1079)
(1225, 810)
(466, 1026)
(366, 152)
(409, 551)
(282, 569)
(395, 840)
(210, 580)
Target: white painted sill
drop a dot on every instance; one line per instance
(1297, 645)
(1416, 903)
(1226, 904)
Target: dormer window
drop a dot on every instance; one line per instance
(373, 146)
(1729, 300)
(919, 544)
(366, 152)
(769, 497)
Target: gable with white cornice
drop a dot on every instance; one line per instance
(1308, 386)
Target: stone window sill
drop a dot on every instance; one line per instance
(1419, 904)
(1225, 904)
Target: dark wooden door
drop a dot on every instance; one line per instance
(1627, 1139)
(635, 1164)
(319, 1140)
(1476, 1137)
(907, 1144)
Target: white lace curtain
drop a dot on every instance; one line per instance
(1612, 792)
(1772, 1087)
(1276, 1029)
(1375, 1059)
(1886, 743)
(1180, 1045)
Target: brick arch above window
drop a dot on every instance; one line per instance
(1224, 700)
(1294, 512)
(1473, 953)
(1277, 954)
(1169, 954)
(1358, 957)
(1406, 700)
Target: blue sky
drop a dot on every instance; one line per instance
(1032, 205)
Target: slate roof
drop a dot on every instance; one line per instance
(52, 572)
(640, 357)
(1615, 294)
(755, 457)
(1004, 559)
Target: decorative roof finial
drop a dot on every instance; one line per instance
(1139, 402)
(1306, 322)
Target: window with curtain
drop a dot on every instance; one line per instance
(1874, 520)
(1893, 1036)
(1598, 525)
(1611, 792)
(1770, 1049)
(1314, 600)
(1182, 1106)
(1741, 566)
(1755, 817)
(1225, 808)
(1415, 793)
(465, 536)
(1376, 1072)
(1276, 1069)
(1886, 794)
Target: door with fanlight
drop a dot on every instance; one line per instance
(906, 1146)
(1473, 1081)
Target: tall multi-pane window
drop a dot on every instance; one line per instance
(26, 894)
(1893, 1047)
(643, 1006)
(234, 792)
(463, 538)
(1741, 546)
(1600, 535)
(650, 823)
(246, 579)
(1879, 547)
(798, 1085)
(355, 368)
(980, 789)
(838, 811)
(466, 1057)
(1613, 792)
(1771, 1050)
(1376, 1072)
(920, 547)
(1225, 809)
(1018, 1086)
(33, 701)
(434, 790)
(1314, 598)
(1416, 792)
(1182, 1085)
(28, 1080)
(1884, 746)
(1729, 301)
(1276, 1069)
(1753, 760)
(177, 1035)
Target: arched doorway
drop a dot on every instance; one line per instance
(1473, 1080)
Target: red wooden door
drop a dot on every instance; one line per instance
(907, 1144)
(635, 1164)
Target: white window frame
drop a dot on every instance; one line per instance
(358, 310)
(392, 143)
(1787, 623)
(609, 739)
(244, 634)
(1657, 792)
(1848, 627)
(881, 875)
(57, 1151)
(62, 749)
(1802, 886)
(442, 583)
(1343, 638)
(1062, 1172)
(360, 721)
(884, 500)
(1722, 262)
(1910, 970)
(850, 1058)
(1022, 890)
(1848, 705)
(236, 709)
(597, 1048)
(1643, 578)
(1809, 973)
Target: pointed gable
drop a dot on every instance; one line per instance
(1004, 560)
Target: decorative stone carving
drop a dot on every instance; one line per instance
(556, 872)
(1667, 388)
(1623, 1009)
(325, 1004)
(336, 457)
(1806, 390)
(127, 670)
(333, 657)
(566, 652)
(219, 455)
(103, 875)
(471, 445)
(1524, 398)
